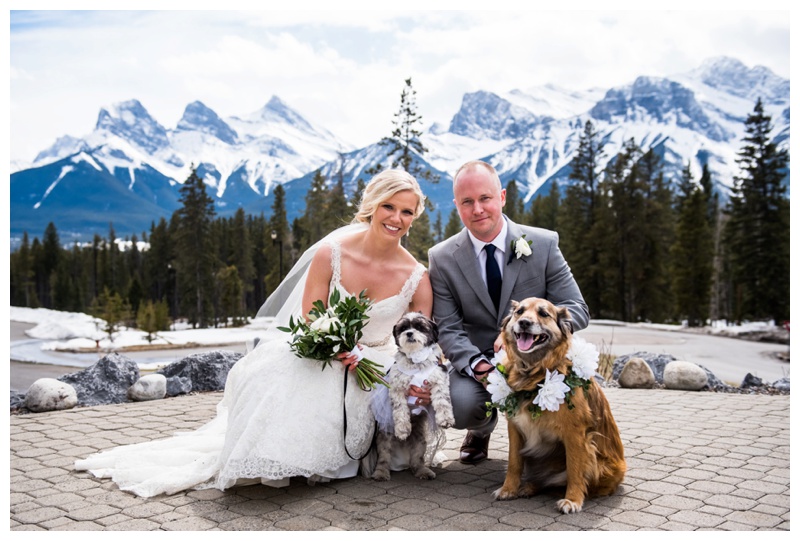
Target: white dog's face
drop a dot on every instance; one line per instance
(414, 331)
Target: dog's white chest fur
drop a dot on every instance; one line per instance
(538, 440)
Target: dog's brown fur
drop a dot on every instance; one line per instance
(580, 447)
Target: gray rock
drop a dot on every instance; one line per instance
(657, 362)
(177, 385)
(150, 387)
(206, 371)
(684, 376)
(17, 399)
(750, 381)
(48, 394)
(636, 374)
(782, 385)
(105, 382)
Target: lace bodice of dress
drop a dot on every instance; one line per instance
(382, 314)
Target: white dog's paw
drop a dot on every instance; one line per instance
(401, 432)
(568, 506)
(447, 421)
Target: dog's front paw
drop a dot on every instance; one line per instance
(504, 493)
(447, 421)
(402, 431)
(568, 506)
(381, 474)
(424, 473)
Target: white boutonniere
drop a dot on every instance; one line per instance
(521, 247)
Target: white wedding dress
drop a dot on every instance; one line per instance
(281, 416)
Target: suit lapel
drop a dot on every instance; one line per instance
(512, 268)
(465, 258)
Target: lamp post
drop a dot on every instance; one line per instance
(173, 286)
(275, 239)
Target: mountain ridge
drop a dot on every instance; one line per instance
(528, 135)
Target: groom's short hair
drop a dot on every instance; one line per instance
(474, 164)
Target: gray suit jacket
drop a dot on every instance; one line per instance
(462, 308)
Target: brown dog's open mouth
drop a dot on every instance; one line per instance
(527, 341)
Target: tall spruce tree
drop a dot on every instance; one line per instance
(758, 228)
(195, 251)
(577, 218)
(515, 204)
(692, 255)
(405, 142)
(544, 209)
(277, 255)
(454, 224)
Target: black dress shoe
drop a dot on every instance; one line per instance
(475, 449)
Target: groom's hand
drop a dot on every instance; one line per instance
(481, 370)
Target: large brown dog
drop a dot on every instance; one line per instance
(577, 446)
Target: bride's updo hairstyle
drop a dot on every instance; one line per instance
(383, 186)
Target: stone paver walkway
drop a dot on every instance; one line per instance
(696, 461)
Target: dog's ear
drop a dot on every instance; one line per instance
(434, 330)
(564, 320)
(505, 322)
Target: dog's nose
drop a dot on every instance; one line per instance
(410, 334)
(524, 324)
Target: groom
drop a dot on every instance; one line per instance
(475, 275)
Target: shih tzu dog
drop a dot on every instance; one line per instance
(405, 426)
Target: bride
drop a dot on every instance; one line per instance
(281, 415)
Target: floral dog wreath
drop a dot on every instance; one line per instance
(556, 389)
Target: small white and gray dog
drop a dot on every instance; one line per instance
(406, 428)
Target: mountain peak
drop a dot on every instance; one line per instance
(732, 76)
(277, 110)
(198, 117)
(131, 121)
(485, 115)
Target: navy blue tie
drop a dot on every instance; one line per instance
(494, 280)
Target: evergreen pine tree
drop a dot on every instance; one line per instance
(515, 205)
(545, 208)
(405, 143)
(578, 218)
(758, 228)
(454, 224)
(276, 251)
(420, 238)
(242, 257)
(195, 261)
(692, 258)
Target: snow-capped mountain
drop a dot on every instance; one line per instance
(696, 117)
(129, 169)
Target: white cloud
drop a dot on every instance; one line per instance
(344, 69)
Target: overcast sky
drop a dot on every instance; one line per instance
(344, 70)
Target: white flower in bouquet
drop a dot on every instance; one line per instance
(585, 358)
(326, 323)
(552, 392)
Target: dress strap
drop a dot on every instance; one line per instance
(336, 264)
(410, 287)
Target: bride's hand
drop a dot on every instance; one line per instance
(349, 359)
(422, 394)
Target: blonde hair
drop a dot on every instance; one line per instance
(475, 164)
(383, 186)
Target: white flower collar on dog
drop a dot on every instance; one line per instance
(421, 355)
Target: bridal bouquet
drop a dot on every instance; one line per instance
(336, 329)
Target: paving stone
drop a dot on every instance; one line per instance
(727, 471)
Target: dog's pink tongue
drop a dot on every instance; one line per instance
(524, 341)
